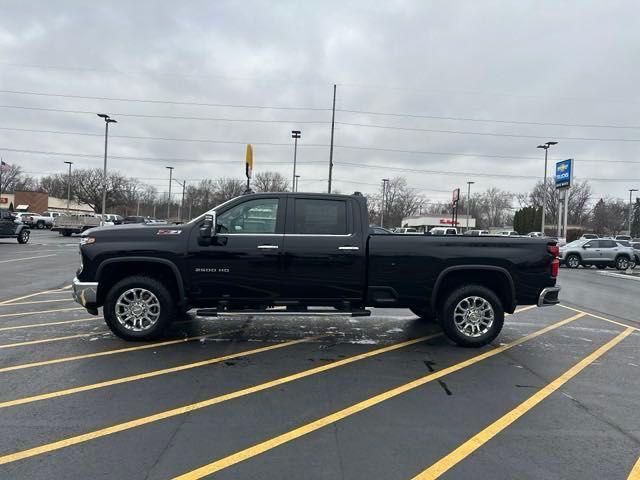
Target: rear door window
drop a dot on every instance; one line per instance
(320, 217)
(608, 244)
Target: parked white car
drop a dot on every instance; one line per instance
(443, 231)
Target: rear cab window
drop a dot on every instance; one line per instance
(320, 217)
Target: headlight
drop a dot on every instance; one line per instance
(87, 240)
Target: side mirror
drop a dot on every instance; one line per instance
(584, 247)
(208, 228)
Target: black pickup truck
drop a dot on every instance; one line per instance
(300, 251)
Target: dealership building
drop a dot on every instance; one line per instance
(427, 222)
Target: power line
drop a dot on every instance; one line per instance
(485, 120)
(312, 145)
(487, 134)
(165, 102)
(167, 117)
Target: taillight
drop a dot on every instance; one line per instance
(555, 263)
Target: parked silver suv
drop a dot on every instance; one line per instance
(602, 253)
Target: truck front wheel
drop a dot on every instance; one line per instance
(139, 308)
(472, 316)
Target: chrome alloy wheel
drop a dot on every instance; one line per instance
(573, 261)
(473, 316)
(137, 309)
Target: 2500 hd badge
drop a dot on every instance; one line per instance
(210, 270)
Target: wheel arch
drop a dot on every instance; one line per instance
(494, 277)
(113, 270)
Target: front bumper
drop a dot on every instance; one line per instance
(85, 293)
(548, 297)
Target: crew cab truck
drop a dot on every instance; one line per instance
(302, 250)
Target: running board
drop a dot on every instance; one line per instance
(211, 312)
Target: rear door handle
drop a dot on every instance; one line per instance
(348, 247)
(268, 247)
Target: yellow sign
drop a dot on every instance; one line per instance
(249, 160)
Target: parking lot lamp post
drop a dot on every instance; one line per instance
(296, 184)
(295, 134)
(69, 187)
(169, 197)
(631, 190)
(544, 179)
(107, 121)
(469, 202)
(383, 207)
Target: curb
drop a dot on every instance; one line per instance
(619, 275)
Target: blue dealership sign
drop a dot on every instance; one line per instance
(564, 173)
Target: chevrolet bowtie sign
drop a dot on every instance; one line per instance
(564, 173)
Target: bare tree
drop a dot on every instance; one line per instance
(13, 179)
(400, 202)
(87, 186)
(226, 189)
(579, 198)
(494, 207)
(270, 182)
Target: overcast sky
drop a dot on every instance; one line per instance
(488, 64)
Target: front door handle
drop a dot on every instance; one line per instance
(268, 247)
(348, 247)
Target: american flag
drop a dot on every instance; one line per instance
(4, 166)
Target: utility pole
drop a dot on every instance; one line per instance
(169, 197)
(333, 123)
(544, 179)
(295, 134)
(297, 179)
(383, 207)
(184, 183)
(631, 190)
(107, 120)
(469, 202)
(138, 209)
(69, 187)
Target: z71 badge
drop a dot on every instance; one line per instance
(165, 231)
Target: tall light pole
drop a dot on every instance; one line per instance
(295, 185)
(169, 197)
(544, 179)
(631, 190)
(469, 202)
(295, 134)
(385, 181)
(107, 120)
(69, 186)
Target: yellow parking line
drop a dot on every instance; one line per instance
(634, 474)
(37, 301)
(48, 340)
(47, 324)
(478, 440)
(55, 290)
(602, 318)
(28, 258)
(67, 442)
(523, 309)
(356, 408)
(155, 373)
(111, 352)
(41, 311)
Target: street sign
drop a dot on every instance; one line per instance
(249, 161)
(564, 173)
(456, 196)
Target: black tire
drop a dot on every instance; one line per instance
(448, 310)
(573, 261)
(601, 267)
(424, 313)
(622, 262)
(66, 233)
(40, 225)
(157, 288)
(23, 237)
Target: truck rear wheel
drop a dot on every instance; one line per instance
(23, 236)
(472, 316)
(139, 308)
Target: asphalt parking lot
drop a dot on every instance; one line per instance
(261, 397)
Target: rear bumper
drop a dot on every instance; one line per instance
(548, 297)
(85, 293)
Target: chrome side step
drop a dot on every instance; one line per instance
(212, 312)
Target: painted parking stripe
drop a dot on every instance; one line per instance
(49, 340)
(478, 440)
(146, 346)
(602, 318)
(55, 290)
(274, 442)
(154, 373)
(27, 258)
(47, 324)
(67, 442)
(21, 314)
(634, 474)
(37, 301)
